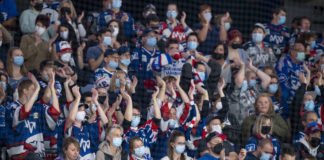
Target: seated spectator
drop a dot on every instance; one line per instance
(111, 147)
(116, 13)
(263, 105)
(274, 92)
(65, 33)
(310, 145)
(28, 17)
(215, 147)
(262, 129)
(71, 149)
(263, 151)
(138, 150)
(35, 48)
(259, 51)
(288, 153)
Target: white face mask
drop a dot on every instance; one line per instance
(219, 106)
(66, 57)
(64, 34)
(0, 43)
(115, 32)
(40, 30)
(80, 116)
(217, 128)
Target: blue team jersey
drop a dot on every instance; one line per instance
(319, 49)
(253, 141)
(277, 36)
(103, 77)
(88, 136)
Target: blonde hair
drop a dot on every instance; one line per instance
(271, 108)
(70, 5)
(261, 119)
(10, 64)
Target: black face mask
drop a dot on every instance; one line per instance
(65, 10)
(218, 56)
(101, 99)
(38, 6)
(236, 46)
(218, 148)
(314, 142)
(265, 130)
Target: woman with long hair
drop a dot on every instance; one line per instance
(177, 147)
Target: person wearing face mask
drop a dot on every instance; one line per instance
(103, 75)
(86, 132)
(111, 147)
(288, 69)
(149, 13)
(303, 25)
(46, 69)
(15, 67)
(35, 48)
(137, 150)
(65, 33)
(170, 121)
(275, 93)
(174, 29)
(264, 151)
(95, 55)
(263, 106)
(177, 147)
(208, 32)
(118, 36)
(262, 129)
(306, 119)
(311, 145)
(132, 119)
(117, 13)
(28, 17)
(192, 55)
(259, 51)
(64, 54)
(215, 147)
(27, 111)
(235, 49)
(277, 34)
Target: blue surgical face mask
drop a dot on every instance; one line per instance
(282, 20)
(317, 91)
(117, 141)
(117, 82)
(273, 88)
(107, 41)
(202, 76)
(265, 156)
(151, 42)
(244, 86)
(313, 44)
(309, 106)
(125, 62)
(140, 151)
(135, 121)
(180, 148)
(192, 45)
(116, 4)
(227, 26)
(172, 14)
(252, 82)
(18, 60)
(113, 64)
(257, 37)
(300, 56)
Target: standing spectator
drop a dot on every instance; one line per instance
(8, 14)
(65, 33)
(15, 67)
(172, 28)
(277, 34)
(259, 51)
(116, 13)
(215, 147)
(288, 69)
(35, 48)
(28, 17)
(208, 33)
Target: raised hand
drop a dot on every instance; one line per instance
(76, 91)
(160, 81)
(225, 17)
(33, 79)
(81, 17)
(156, 92)
(221, 84)
(183, 18)
(302, 78)
(191, 90)
(94, 95)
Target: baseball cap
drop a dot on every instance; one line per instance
(215, 135)
(63, 47)
(111, 51)
(313, 127)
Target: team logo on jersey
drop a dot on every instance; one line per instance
(84, 144)
(30, 125)
(35, 115)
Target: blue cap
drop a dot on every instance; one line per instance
(123, 49)
(111, 51)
